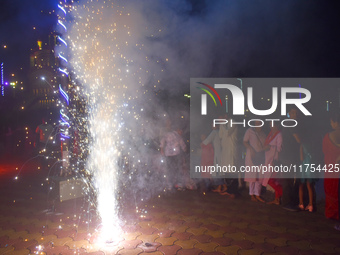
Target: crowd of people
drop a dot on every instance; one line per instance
(285, 146)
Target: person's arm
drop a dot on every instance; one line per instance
(297, 138)
(162, 145)
(247, 144)
(301, 153)
(222, 130)
(210, 138)
(182, 144)
(231, 130)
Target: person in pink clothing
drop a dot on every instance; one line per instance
(272, 146)
(253, 140)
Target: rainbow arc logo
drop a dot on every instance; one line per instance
(204, 97)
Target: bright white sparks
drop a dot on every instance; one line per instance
(99, 40)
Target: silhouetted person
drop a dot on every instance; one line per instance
(44, 141)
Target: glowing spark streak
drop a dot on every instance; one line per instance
(61, 8)
(64, 94)
(63, 58)
(61, 39)
(61, 23)
(64, 71)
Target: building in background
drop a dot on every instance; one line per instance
(43, 78)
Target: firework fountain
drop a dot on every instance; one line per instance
(109, 83)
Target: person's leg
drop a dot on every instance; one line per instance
(301, 197)
(252, 191)
(257, 191)
(278, 191)
(170, 163)
(310, 196)
(287, 187)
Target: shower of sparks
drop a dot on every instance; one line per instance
(108, 85)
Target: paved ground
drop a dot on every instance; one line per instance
(186, 222)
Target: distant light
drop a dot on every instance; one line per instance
(42, 77)
(5, 46)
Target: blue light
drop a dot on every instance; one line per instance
(64, 94)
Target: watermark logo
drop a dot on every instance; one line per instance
(204, 97)
(239, 99)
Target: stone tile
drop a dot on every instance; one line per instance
(175, 223)
(92, 248)
(182, 235)
(149, 246)
(196, 231)
(6, 232)
(237, 236)
(19, 252)
(189, 252)
(94, 253)
(312, 252)
(288, 249)
(255, 238)
(181, 228)
(24, 244)
(269, 234)
(215, 233)
(250, 252)
(222, 223)
(232, 249)
(81, 236)
(61, 241)
(3, 241)
(169, 250)
(132, 236)
(166, 240)
(165, 232)
(148, 230)
(324, 247)
(292, 237)
(78, 244)
(161, 226)
(148, 238)
(249, 231)
(229, 229)
(265, 247)
(130, 252)
(240, 225)
(48, 231)
(301, 245)
(277, 241)
(202, 238)
(211, 226)
(186, 244)
(14, 235)
(243, 244)
(61, 233)
(130, 244)
(206, 247)
(222, 241)
(57, 250)
(299, 232)
(144, 224)
(152, 253)
(279, 229)
(193, 224)
(6, 249)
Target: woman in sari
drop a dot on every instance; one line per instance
(331, 150)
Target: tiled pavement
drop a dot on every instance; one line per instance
(182, 223)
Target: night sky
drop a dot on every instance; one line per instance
(266, 38)
(17, 19)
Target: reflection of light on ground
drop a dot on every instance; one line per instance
(8, 169)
